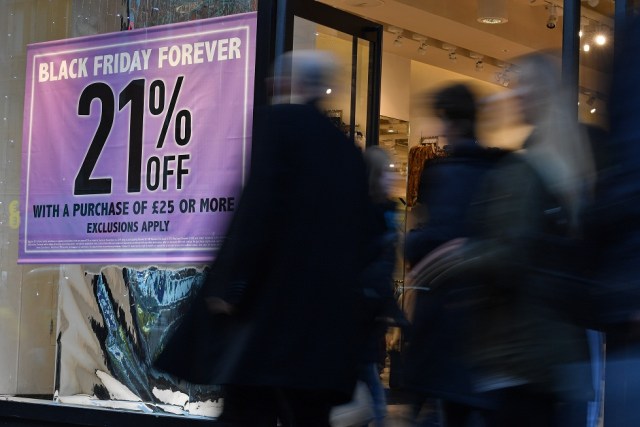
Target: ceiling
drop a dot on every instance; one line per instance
(454, 24)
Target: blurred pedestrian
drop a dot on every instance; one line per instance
(436, 362)
(529, 348)
(382, 309)
(618, 229)
(293, 258)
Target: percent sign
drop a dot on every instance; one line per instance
(157, 94)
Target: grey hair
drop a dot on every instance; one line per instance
(561, 153)
(309, 72)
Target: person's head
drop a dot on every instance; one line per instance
(305, 73)
(379, 175)
(558, 147)
(456, 106)
(539, 87)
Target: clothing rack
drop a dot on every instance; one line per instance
(427, 149)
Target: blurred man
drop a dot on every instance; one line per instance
(293, 257)
(438, 340)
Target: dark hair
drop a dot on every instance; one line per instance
(457, 104)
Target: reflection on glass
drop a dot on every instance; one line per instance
(338, 102)
(308, 35)
(394, 138)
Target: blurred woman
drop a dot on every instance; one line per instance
(529, 349)
(382, 309)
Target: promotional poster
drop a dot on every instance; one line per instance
(136, 143)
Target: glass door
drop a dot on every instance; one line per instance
(354, 103)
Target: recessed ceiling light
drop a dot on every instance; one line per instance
(492, 11)
(492, 20)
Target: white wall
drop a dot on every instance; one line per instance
(496, 128)
(395, 92)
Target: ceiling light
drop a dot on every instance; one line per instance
(600, 39)
(398, 41)
(502, 77)
(329, 91)
(422, 49)
(492, 11)
(580, 33)
(479, 60)
(591, 102)
(586, 47)
(452, 51)
(553, 17)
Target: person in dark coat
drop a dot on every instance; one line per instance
(293, 257)
(529, 348)
(618, 238)
(435, 359)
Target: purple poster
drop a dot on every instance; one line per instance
(136, 144)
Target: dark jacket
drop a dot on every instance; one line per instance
(618, 198)
(381, 307)
(438, 338)
(526, 322)
(447, 187)
(295, 249)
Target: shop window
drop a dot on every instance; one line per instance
(87, 333)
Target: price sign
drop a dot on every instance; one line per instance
(135, 144)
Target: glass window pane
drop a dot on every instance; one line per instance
(42, 306)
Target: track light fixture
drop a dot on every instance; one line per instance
(396, 31)
(591, 102)
(503, 78)
(422, 48)
(553, 16)
(453, 57)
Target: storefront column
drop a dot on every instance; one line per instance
(620, 19)
(571, 49)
